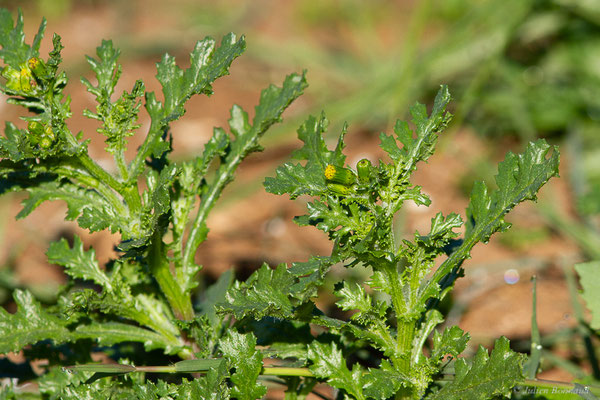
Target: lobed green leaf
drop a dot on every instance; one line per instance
(519, 178)
(240, 351)
(329, 363)
(30, 324)
(13, 49)
(78, 263)
(265, 293)
(487, 376)
(297, 179)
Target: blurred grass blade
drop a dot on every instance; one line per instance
(533, 362)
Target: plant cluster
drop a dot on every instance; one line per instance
(160, 207)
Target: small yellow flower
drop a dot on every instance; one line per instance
(329, 172)
(343, 176)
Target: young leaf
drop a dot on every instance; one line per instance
(207, 64)
(419, 148)
(354, 297)
(273, 101)
(453, 342)
(79, 263)
(487, 376)
(241, 353)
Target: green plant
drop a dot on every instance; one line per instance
(397, 314)
(144, 296)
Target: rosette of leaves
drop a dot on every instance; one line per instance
(395, 312)
(158, 207)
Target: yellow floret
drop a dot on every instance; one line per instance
(330, 172)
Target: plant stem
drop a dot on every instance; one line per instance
(179, 301)
(406, 327)
(284, 371)
(223, 176)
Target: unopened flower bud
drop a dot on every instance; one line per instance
(363, 167)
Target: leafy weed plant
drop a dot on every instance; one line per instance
(160, 207)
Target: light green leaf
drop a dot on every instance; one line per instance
(241, 353)
(109, 333)
(452, 342)
(589, 277)
(78, 263)
(354, 297)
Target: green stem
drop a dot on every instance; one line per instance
(223, 176)
(179, 301)
(154, 132)
(406, 328)
(284, 371)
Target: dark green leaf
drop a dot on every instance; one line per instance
(212, 386)
(106, 368)
(216, 294)
(265, 293)
(30, 324)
